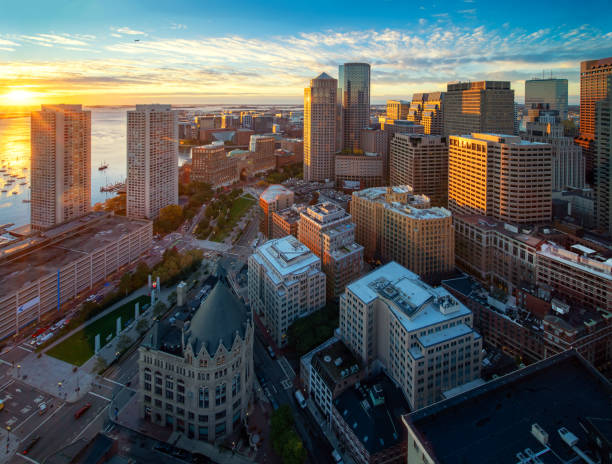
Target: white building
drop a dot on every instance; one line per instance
(61, 164)
(152, 160)
(285, 283)
(421, 335)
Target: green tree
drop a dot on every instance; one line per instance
(124, 343)
(159, 308)
(169, 219)
(100, 365)
(142, 325)
(125, 284)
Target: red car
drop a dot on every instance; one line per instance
(82, 411)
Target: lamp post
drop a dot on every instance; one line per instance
(18, 370)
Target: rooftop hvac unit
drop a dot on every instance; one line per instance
(568, 437)
(539, 433)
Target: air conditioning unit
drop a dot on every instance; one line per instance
(539, 433)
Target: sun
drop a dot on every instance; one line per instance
(17, 97)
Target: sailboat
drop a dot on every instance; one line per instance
(103, 166)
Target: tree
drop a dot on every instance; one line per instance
(169, 219)
(159, 308)
(125, 284)
(100, 365)
(142, 325)
(124, 343)
(285, 440)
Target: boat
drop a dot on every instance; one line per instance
(103, 166)
(14, 193)
(4, 191)
(25, 201)
(23, 183)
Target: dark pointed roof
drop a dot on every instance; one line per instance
(217, 320)
(323, 76)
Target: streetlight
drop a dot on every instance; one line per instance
(18, 370)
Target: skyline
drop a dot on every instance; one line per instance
(245, 54)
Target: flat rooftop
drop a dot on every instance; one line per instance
(528, 235)
(333, 361)
(286, 256)
(273, 192)
(492, 423)
(415, 304)
(48, 255)
(374, 416)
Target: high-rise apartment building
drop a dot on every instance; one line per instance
(427, 109)
(393, 224)
(152, 160)
(61, 164)
(320, 128)
(353, 103)
(397, 109)
(275, 198)
(500, 176)
(547, 91)
(327, 230)
(285, 283)
(593, 88)
(485, 106)
(421, 161)
(544, 125)
(603, 161)
(422, 335)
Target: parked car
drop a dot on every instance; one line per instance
(271, 352)
(42, 408)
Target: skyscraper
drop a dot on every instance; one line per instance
(61, 164)
(353, 103)
(603, 159)
(500, 176)
(397, 109)
(485, 106)
(593, 87)
(550, 91)
(427, 109)
(152, 160)
(320, 128)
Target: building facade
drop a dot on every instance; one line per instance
(500, 176)
(285, 283)
(427, 109)
(393, 317)
(274, 198)
(393, 224)
(262, 144)
(152, 160)
(40, 274)
(353, 104)
(210, 164)
(603, 162)
(359, 171)
(397, 109)
(552, 92)
(567, 161)
(196, 375)
(285, 222)
(421, 161)
(60, 138)
(320, 128)
(327, 230)
(485, 106)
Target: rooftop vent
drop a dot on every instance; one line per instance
(327, 358)
(338, 361)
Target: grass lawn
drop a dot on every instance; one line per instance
(239, 207)
(78, 348)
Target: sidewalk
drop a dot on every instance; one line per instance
(328, 432)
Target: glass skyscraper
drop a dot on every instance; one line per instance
(353, 103)
(551, 91)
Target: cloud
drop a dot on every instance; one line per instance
(48, 40)
(126, 31)
(403, 61)
(468, 11)
(178, 26)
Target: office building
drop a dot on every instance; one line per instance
(397, 109)
(593, 88)
(367, 421)
(327, 230)
(285, 283)
(353, 104)
(427, 109)
(551, 92)
(374, 141)
(60, 164)
(500, 176)
(544, 125)
(393, 224)
(196, 373)
(285, 222)
(41, 273)
(320, 128)
(152, 160)
(356, 172)
(230, 121)
(393, 317)
(548, 390)
(485, 106)
(603, 162)
(421, 161)
(274, 198)
(295, 146)
(262, 144)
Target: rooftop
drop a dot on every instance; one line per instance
(492, 423)
(28, 260)
(291, 214)
(602, 269)
(415, 304)
(373, 410)
(528, 235)
(507, 139)
(286, 256)
(273, 192)
(396, 193)
(335, 362)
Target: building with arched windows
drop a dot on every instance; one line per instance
(196, 369)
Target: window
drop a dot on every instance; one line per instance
(220, 394)
(236, 385)
(203, 397)
(220, 415)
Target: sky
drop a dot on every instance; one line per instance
(109, 52)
